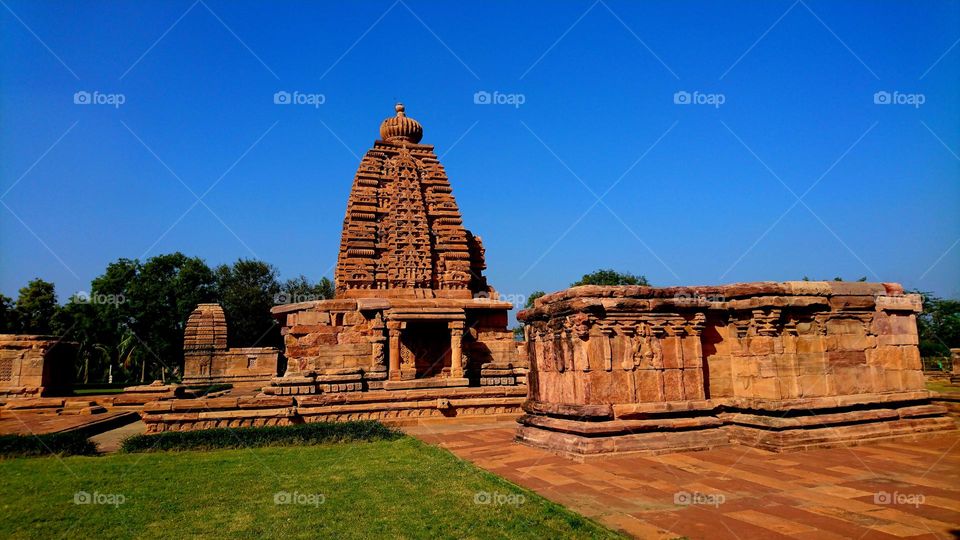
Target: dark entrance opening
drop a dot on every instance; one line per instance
(429, 344)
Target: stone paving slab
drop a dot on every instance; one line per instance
(35, 423)
(892, 490)
(109, 441)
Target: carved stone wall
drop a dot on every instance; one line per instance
(207, 359)
(32, 365)
(403, 236)
(344, 345)
(640, 368)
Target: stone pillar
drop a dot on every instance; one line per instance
(394, 327)
(955, 360)
(456, 349)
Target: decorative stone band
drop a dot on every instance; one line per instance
(390, 407)
(617, 369)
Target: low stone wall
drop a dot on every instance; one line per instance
(390, 407)
(34, 365)
(775, 365)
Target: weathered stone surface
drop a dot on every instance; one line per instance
(33, 365)
(207, 359)
(795, 356)
(403, 232)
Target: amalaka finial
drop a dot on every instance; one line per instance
(401, 128)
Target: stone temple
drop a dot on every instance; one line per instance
(415, 333)
(414, 330)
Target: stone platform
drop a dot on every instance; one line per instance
(390, 407)
(779, 366)
(38, 416)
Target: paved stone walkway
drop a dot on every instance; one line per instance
(34, 423)
(879, 491)
(109, 441)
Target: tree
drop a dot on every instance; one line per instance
(247, 290)
(610, 277)
(35, 308)
(299, 289)
(533, 296)
(518, 329)
(157, 303)
(8, 316)
(938, 325)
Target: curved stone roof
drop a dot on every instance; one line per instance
(403, 236)
(206, 329)
(401, 128)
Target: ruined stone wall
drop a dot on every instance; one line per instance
(642, 368)
(330, 335)
(594, 345)
(825, 339)
(32, 365)
(208, 359)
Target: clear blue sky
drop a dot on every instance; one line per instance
(698, 194)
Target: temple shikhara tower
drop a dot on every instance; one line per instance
(403, 236)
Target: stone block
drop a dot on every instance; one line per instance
(650, 385)
(693, 384)
(760, 345)
(671, 353)
(672, 385)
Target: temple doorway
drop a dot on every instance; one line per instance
(428, 342)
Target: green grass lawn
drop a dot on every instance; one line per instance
(942, 386)
(401, 488)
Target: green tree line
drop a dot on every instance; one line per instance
(130, 323)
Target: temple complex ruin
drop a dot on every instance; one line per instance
(208, 360)
(34, 365)
(779, 366)
(416, 333)
(414, 330)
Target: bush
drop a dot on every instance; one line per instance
(64, 444)
(300, 434)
